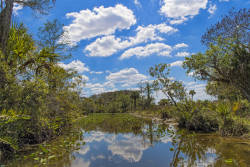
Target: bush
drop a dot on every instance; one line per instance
(232, 127)
(166, 113)
(201, 121)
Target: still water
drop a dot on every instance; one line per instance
(122, 140)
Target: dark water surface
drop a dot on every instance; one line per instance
(123, 140)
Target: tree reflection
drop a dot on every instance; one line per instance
(126, 138)
(208, 150)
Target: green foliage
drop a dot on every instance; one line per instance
(52, 37)
(223, 91)
(112, 102)
(38, 98)
(122, 123)
(227, 59)
(192, 93)
(174, 90)
(223, 117)
(231, 124)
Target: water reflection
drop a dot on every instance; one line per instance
(123, 140)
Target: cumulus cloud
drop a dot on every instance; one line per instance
(126, 77)
(95, 88)
(96, 72)
(85, 78)
(180, 45)
(108, 45)
(160, 49)
(100, 21)
(200, 89)
(176, 63)
(182, 54)
(75, 65)
(150, 49)
(179, 11)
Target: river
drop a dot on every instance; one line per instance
(122, 140)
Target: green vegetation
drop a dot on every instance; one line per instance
(224, 65)
(119, 101)
(38, 98)
(104, 130)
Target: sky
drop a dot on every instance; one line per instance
(119, 40)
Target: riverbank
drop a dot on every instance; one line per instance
(156, 116)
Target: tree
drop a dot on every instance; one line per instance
(223, 91)
(7, 6)
(234, 25)
(50, 37)
(174, 90)
(227, 59)
(146, 90)
(134, 96)
(32, 109)
(192, 93)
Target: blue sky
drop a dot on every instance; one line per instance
(119, 40)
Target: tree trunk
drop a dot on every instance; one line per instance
(5, 22)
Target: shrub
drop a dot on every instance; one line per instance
(232, 127)
(201, 121)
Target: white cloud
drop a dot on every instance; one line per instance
(182, 54)
(129, 147)
(85, 78)
(180, 45)
(179, 11)
(107, 71)
(176, 63)
(75, 65)
(95, 88)
(126, 77)
(137, 3)
(212, 8)
(108, 45)
(84, 150)
(98, 136)
(150, 49)
(96, 72)
(200, 89)
(80, 162)
(100, 21)
(16, 8)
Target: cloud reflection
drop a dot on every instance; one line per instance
(129, 147)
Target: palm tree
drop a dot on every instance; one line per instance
(192, 93)
(134, 96)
